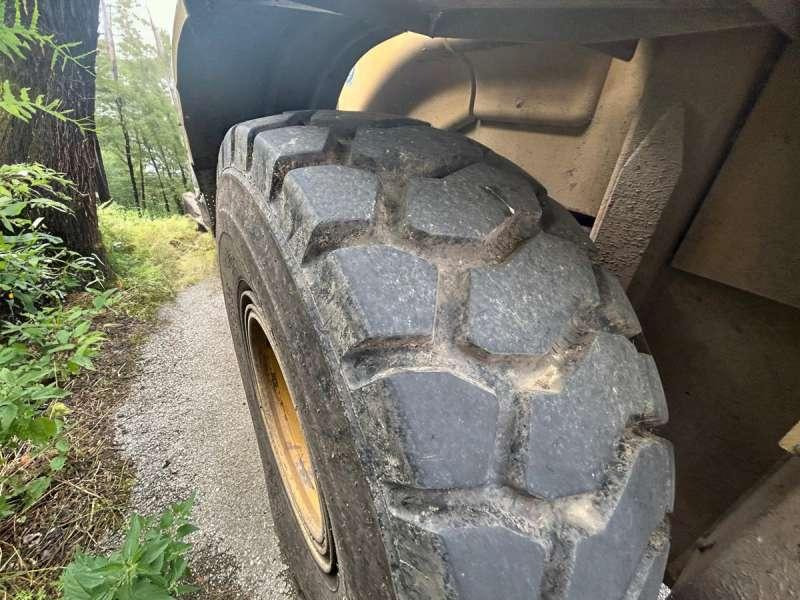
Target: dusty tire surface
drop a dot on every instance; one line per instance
(478, 419)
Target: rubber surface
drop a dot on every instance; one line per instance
(471, 359)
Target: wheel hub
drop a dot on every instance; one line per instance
(288, 442)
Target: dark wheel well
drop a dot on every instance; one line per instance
(245, 60)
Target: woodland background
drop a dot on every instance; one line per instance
(93, 240)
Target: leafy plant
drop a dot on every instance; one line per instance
(22, 400)
(27, 433)
(42, 346)
(22, 106)
(38, 353)
(60, 340)
(17, 39)
(150, 565)
(34, 266)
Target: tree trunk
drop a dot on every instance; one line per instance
(103, 193)
(183, 177)
(141, 167)
(165, 160)
(126, 136)
(158, 175)
(108, 31)
(57, 144)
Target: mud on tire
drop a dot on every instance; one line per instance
(478, 416)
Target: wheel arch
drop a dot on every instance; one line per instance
(240, 59)
(250, 59)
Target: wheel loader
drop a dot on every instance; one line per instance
(475, 252)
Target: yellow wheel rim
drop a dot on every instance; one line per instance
(288, 441)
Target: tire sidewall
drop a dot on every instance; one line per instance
(250, 259)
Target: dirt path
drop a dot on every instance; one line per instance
(187, 428)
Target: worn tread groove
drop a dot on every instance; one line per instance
(500, 503)
(285, 165)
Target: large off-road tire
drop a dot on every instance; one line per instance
(476, 416)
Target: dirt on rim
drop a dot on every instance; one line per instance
(186, 428)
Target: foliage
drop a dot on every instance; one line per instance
(38, 348)
(42, 345)
(16, 40)
(152, 258)
(21, 105)
(150, 565)
(34, 266)
(48, 330)
(143, 88)
(58, 339)
(88, 499)
(36, 356)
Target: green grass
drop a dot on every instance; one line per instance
(153, 258)
(38, 595)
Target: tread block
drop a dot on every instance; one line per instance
(646, 584)
(616, 309)
(432, 429)
(225, 151)
(656, 411)
(276, 151)
(454, 562)
(523, 305)
(569, 438)
(421, 572)
(244, 135)
(328, 204)
(469, 204)
(513, 573)
(413, 151)
(559, 221)
(374, 294)
(607, 562)
(507, 166)
(352, 120)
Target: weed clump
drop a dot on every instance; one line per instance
(150, 564)
(67, 352)
(153, 258)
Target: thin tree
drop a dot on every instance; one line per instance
(154, 162)
(141, 164)
(170, 170)
(120, 103)
(164, 56)
(145, 85)
(60, 144)
(183, 175)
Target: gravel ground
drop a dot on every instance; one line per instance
(187, 428)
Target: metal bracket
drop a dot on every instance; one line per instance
(639, 191)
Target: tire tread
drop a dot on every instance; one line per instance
(421, 281)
